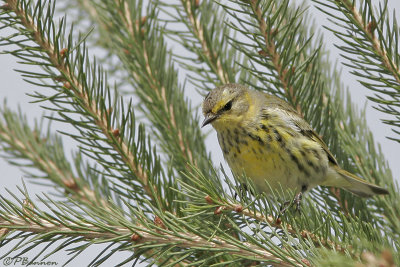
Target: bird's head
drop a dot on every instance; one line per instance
(226, 105)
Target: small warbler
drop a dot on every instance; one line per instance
(264, 138)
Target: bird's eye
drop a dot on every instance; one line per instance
(228, 106)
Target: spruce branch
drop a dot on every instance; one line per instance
(371, 49)
(263, 211)
(204, 28)
(200, 32)
(154, 79)
(367, 28)
(271, 51)
(204, 37)
(276, 223)
(82, 95)
(173, 222)
(142, 233)
(45, 153)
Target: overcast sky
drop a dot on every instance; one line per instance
(14, 89)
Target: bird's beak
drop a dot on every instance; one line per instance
(209, 117)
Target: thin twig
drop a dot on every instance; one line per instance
(143, 235)
(80, 190)
(272, 51)
(199, 32)
(379, 50)
(277, 223)
(159, 89)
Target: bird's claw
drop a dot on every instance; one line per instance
(287, 204)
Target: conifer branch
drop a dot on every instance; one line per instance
(199, 30)
(186, 229)
(142, 233)
(154, 81)
(157, 87)
(272, 52)
(371, 49)
(73, 85)
(368, 30)
(278, 224)
(45, 153)
(205, 38)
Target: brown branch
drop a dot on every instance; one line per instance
(142, 235)
(199, 32)
(159, 89)
(368, 30)
(277, 223)
(79, 91)
(61, 176)
(272, 52)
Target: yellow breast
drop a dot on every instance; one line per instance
(272, 155)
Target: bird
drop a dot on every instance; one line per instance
(267, 140)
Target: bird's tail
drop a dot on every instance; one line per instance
(356, 185)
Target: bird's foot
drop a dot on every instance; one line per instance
(284, 207)
(287, 204)
(243, 188)
(297, 200)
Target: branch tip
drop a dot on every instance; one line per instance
(63, 52)
(306, 262)
(159, 222)
(263, 53)
(67, 85)
(219, 210)
(238, 208)
(143, 20)
(71, 184)
(115, 132)
(4, 232)
(209, 200)
(135, 237)
(371, 27)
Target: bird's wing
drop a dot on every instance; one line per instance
(294, 120)
(306, 130)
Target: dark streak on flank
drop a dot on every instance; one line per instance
(299, 165)
(264, 127)
(256, 137)
(309, 162)
(265, 116)
(237, 139)
(278, 138)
